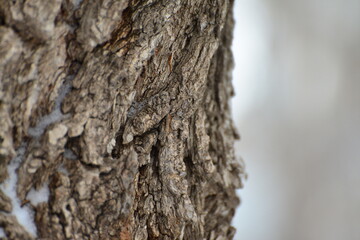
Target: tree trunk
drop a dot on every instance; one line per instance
(115, 120)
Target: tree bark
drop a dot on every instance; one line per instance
(115, 120)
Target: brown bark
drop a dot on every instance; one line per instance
(121, 108)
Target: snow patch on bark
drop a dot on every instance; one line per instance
(111, 145)
(63, 170)
(38, 196)
(55, 116)
(24, 215)
(70, 154)
(77, 3)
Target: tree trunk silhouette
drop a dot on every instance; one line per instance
(115, 120)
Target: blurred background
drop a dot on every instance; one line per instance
(297, 108)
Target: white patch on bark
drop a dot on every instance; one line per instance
(24, 215)
(38, 196)
(77, 3)
(63, 170)
(70, 154)
(111, 145)
(55, 116)
(2, 233)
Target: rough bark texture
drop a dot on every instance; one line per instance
(121, 108)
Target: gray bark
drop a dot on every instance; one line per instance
(122, 109)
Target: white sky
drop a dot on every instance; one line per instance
(296, 107)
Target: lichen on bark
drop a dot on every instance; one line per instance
(124, 110)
